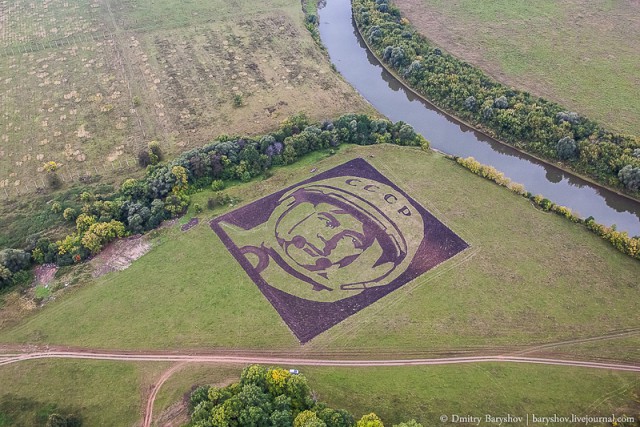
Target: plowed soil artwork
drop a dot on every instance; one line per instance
(327, 247)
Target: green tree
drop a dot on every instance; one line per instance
(15, 259)
(630, 177)
(336, 417)
(281, 418)
(308, 419)
(255, 375)
(370, 420)
(101, 233)
(410, 423)
(567, 148)
(5, 276)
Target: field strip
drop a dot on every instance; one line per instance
(232, 359)
(609, 336)
(148, 412)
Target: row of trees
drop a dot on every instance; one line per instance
(142, 204)
(619, 239)
(528, 122)
(270, 397)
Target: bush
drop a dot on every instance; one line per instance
(70, 214)
(53, 181)
(144, 158)
(501, 102)
(154, 148)
(15, 259)
(567, 148)
(237, 100)
(630, 177)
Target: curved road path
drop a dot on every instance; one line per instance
(242, 358)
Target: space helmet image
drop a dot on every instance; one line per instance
(340, 236)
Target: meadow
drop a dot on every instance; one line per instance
(578, 53)
(529, 277)
(102, 393)
(531, 282)
(113, 393)
(425, 393)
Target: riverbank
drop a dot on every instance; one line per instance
(486, 132)
(353, 59)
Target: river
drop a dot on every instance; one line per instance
(363, 71)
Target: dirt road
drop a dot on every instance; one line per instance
(243, 359)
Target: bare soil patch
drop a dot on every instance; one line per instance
(45, 273)
(119, 255)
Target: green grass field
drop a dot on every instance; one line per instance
(529, 277)
(581, 54)
(103, 393)
(426, 393)
(112, 393)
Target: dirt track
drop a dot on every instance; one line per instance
(7, 359)
(244, 359)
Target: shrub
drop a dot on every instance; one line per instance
(70, 214)
(53, 180)
(501, 102)
(56, 207)
(15, 259)
(237, 100)
(154, 148)
(144, 158)
(630, 177)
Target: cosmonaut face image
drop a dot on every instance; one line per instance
(341, 235)
(329, 246)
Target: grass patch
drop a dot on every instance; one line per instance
(40, 292)
(426, 393)
(577, 53)
(103, 393)
(529, 277)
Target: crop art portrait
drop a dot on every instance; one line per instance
(329, 246)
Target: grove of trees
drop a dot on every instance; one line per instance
(270, 397)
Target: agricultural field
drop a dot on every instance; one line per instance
(87, 84)
(496, 295)
(581, 54)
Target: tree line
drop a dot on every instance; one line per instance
(528, 122)
(270, 397)
(618, 239)
(142, 204)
